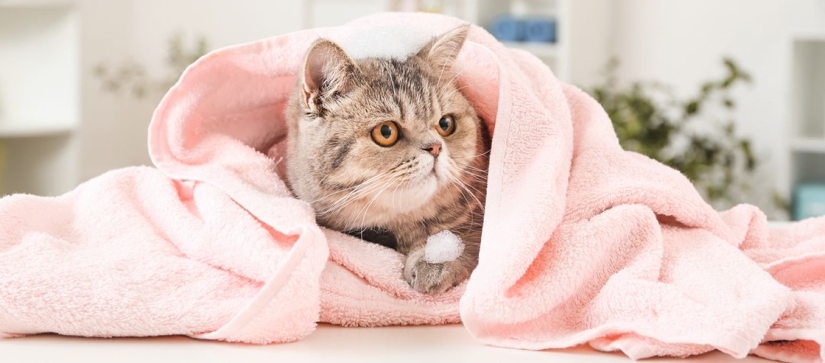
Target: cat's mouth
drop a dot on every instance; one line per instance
(410, 194)
(433, 173)
(439, 171)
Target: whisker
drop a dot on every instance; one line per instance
(348, 200)
(367, 207)
(456, 181)
(363, 188)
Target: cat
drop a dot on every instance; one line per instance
(391, 151)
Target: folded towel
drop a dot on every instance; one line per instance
(582, 243)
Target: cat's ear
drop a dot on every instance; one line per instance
(328, 72)
(442, 51)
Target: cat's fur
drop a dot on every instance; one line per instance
(400, 194)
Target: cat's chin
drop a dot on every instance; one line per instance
(410, 196)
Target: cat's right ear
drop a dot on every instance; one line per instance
(328, 73)
(442, 51)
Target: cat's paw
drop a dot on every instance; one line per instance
(432, 278)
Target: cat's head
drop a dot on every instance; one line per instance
(380, 136)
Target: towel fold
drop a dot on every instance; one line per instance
(582, 243)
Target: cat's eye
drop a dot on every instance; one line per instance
(446, 125)
(386, 133)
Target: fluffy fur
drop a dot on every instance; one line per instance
(401, 194)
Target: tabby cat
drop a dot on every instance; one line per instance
(390, 150)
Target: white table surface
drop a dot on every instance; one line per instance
(425, 344)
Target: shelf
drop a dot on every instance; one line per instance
(20, 131)
(541, 50)
(807, 111)
(809, 37)
(809, 145)
(808, 88)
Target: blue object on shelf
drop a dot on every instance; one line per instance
(540, 30)
(809, 201)
(507, 28)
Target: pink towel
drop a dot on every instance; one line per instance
(583, 242)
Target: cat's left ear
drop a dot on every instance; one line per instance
(443, 50)
(328, 72)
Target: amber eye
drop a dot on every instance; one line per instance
(386, 133)
(446, 125)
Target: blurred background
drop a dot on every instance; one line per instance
(731, 92)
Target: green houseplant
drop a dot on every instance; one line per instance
(695, 135)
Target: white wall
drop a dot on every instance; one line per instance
(681, 43)
(322, 13)
(222, 22)
(111, 133)
(592, 39)
(114, 127)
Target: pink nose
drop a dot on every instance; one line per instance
(433, 148)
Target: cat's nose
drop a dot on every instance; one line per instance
(433, 148)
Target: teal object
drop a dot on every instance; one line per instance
(540, 30)
(809, 201)
(508, 29)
